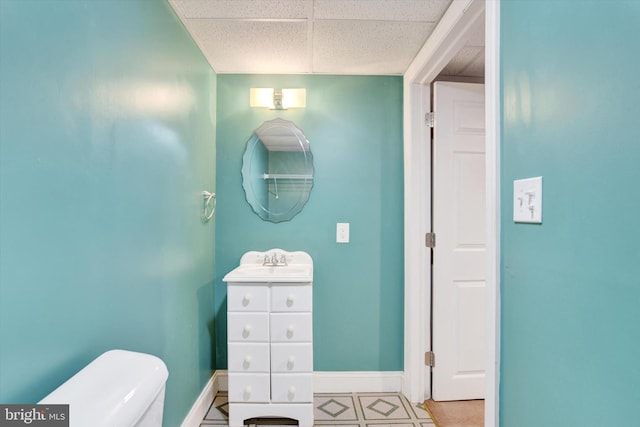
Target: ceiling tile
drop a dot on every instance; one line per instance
(367, 47)
(476, 36)
(253, 46)
(458, 63)
(244, 9)
(375, 37)
(381, 10)
(475, 68)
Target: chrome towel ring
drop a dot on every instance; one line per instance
(208, 206)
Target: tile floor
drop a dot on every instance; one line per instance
(343, 409)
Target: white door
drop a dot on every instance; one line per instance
(459, 321)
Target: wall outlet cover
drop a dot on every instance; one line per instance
(342, 232)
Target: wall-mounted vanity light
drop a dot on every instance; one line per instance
(277, 99)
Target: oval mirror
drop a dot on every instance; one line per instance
(277, 170)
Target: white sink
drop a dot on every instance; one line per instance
(266, 273)
(293, 267)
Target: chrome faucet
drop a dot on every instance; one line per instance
(274, 261)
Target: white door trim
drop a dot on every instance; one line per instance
(492, 147)
(442, 45)
(417, 221)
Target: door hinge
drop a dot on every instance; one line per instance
(430, 240)
(429, 119)
(430, 359)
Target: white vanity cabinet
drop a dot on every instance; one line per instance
(270, 339)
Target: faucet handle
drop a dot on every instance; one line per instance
(283, 259)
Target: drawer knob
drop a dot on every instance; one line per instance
(246, 395)
(246, 299)
(246, 331)
(290, 330)
(292, 393)
(247, 362)
(291, 362)
(290, 300)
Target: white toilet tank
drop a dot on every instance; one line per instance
(118, 389)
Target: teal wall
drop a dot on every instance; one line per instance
(107, 139)
(570, 287)
(354, 125)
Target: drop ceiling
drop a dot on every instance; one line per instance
(360, 37)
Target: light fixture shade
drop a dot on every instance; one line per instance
(261, 97)
(277, 99)
(294, 98)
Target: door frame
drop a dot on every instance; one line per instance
(445, 41)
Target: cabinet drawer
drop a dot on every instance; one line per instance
(248, 387)
(291, 327)
(247, 357)
(248, 327)
(248, 298)
(291, 388)
(291, 298)
(292, 357)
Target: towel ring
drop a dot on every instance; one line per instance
(207, 208)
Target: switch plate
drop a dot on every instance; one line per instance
(342, 232)
(527, 200)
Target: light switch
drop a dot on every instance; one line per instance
(527, 200)
(342, 232)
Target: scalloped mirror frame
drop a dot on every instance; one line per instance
(260, 183)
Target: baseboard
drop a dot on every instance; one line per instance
(357, 382)
(203, 402)
(344, 382)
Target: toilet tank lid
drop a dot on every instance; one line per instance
(114, 389)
